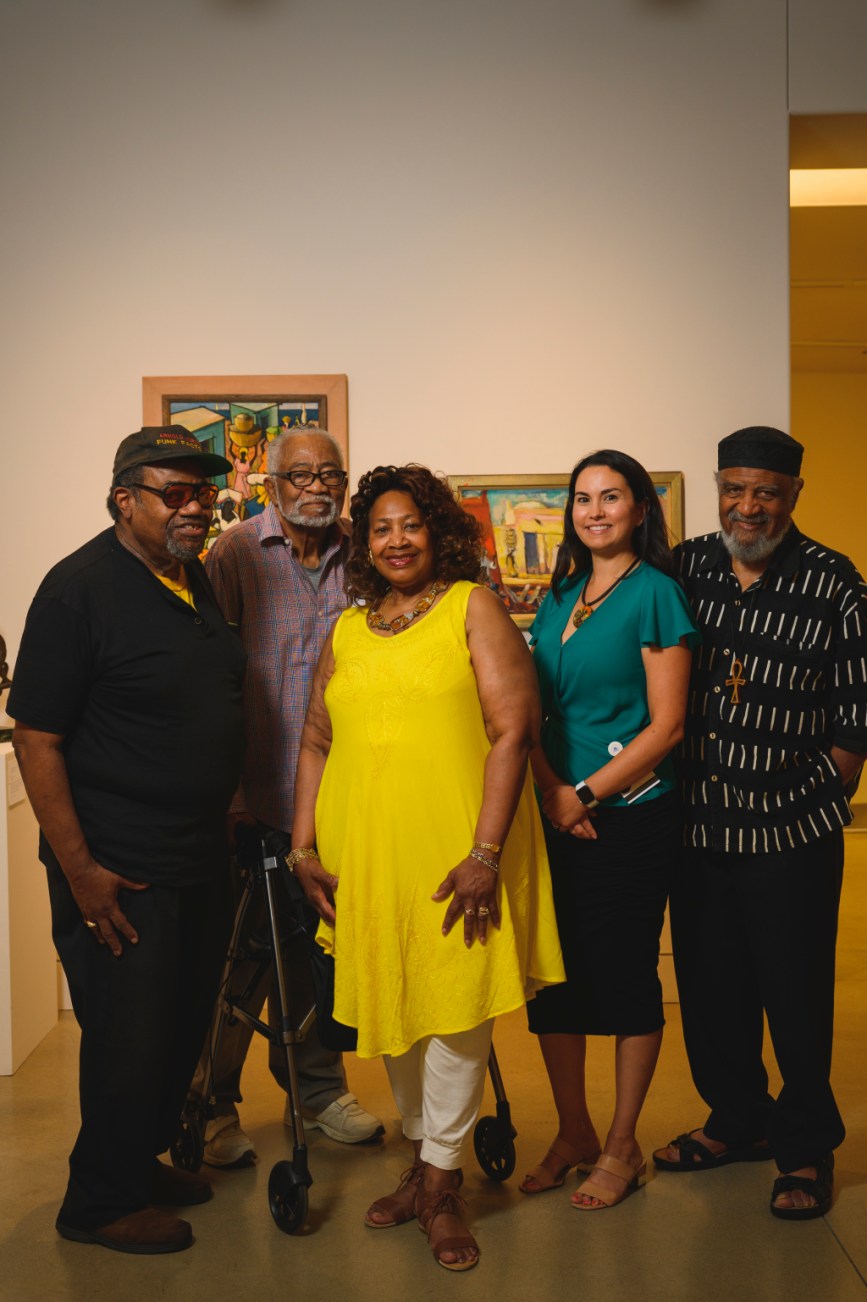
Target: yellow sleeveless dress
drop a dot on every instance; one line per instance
(397, 810)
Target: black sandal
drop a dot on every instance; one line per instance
(693, 1155)
(821, 1189)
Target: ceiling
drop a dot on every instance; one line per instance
(829, 253)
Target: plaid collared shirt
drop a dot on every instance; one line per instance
(757, 771)
(260, 585)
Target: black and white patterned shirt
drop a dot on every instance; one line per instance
(755, 761)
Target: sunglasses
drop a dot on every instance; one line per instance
(304, 478)
(177, 495)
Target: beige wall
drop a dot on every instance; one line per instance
(827, 56)
(522, 230)
(829, 416)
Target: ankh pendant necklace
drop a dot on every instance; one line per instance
(737, 679)
(585, 609)
(375, 620)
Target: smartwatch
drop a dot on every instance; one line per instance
(585, 795)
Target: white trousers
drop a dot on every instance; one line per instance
(438, 1086)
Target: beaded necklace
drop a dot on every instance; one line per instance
(375, 620)
(585, 610)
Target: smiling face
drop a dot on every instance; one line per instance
(159, 533)
(755, 511)
(400, 543)
(604, 512)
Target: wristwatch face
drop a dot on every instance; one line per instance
(585, 795)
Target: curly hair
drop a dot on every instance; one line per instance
(456, 536)
(649, 540)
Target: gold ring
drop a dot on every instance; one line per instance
(89, 924)
(483, 912)
(469, 913)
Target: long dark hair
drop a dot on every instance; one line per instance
(456, 536)
(649, 539)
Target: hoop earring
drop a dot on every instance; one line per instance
(369, 556)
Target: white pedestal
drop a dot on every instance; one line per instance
(28, 962)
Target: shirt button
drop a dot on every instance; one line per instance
(737, 603)
(198, 619)
(712, 736)
(717, 689)
(714, 778)
(726, 651)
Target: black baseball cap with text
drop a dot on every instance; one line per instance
(153, 444)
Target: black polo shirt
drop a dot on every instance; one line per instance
(146, 692)
(756, 766)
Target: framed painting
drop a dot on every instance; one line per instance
(238, 416)
(522, 529)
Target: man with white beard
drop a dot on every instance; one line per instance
(776, 734)
(278, 577)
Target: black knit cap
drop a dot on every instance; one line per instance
(155, 443)
(761, 447)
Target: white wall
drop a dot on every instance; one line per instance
(522, 229)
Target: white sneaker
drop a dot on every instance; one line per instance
(344, 1120)
(226, 1145)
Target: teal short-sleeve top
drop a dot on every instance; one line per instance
(593, 688)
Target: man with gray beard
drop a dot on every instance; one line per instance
(776, 734)
(127, 698)
(279, 579)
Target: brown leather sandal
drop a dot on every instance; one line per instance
(633, 1178)
(542, 1177)
(445, 1202)
(399, 1206)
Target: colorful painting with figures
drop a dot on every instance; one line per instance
(522, 529)
(241, 432)
(238, 417)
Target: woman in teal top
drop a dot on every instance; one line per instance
(613, 643)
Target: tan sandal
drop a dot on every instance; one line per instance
(445, 1202)
(543, 1177)
(633, 1178)
(399, 1206)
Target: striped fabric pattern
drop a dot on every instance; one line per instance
(261, 588)
(757, 773)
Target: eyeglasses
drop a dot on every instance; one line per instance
(177, 495)
(304, 478)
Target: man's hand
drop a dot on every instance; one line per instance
(95, 891)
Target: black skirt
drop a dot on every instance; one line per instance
(610, 897)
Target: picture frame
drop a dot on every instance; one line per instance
(237, 416)
(522, 528)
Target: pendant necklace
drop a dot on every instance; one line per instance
(375, 620)
(737, 680)
(585, 609)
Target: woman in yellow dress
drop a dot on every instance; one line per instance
(413, 792)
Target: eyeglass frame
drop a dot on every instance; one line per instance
(314, 475)
(192, 491)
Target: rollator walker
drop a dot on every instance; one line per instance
(284, 939)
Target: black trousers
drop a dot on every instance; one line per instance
(143, 1017)
(758, 932)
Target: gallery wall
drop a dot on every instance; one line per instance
(522, 230)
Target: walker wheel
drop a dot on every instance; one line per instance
(287, 1198)
(188, 1150)
(495, 1148)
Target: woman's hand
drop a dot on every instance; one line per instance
(319, 887)
(473, 888)
(566, 813)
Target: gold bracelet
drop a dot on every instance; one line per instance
(487, 845)
(295, 856)
(483, 858)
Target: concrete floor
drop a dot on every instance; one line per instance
(681, 1239)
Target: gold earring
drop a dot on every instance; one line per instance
(369, 556)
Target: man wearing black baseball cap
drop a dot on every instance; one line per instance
(776, 733)
(127, 701)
